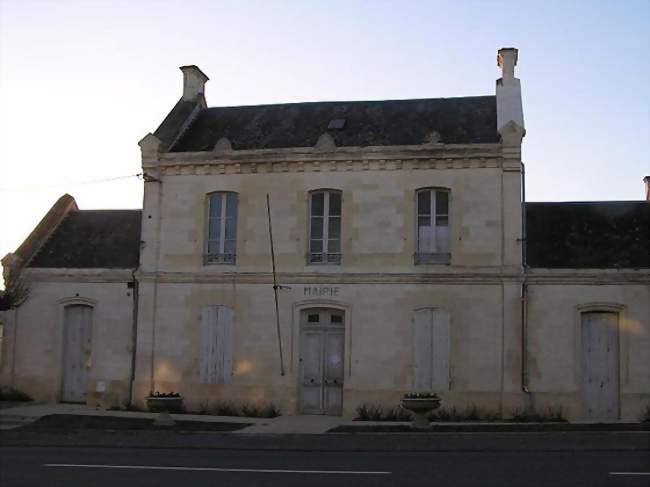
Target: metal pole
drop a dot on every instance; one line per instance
(275, 286)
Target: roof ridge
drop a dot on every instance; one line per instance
(350, 101)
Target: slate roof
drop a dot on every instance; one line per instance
(174, 121)
(367, 123)
(104, 239)
(588, 235)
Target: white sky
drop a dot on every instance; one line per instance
(82, 81)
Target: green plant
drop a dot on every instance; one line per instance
(10, 394)
(204, 407)
(250, 410)
(15, 295)
(369, 412)
(421, 395)
(552, 414)
(165, 394)
(398, 413)
(224, 408)
(470, 413)
(269, 410)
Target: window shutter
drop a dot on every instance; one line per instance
(441, 342)
(422, 337)
(209, 318)
(226, 334)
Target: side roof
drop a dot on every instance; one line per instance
(588, 235)
(106, 239)
(367, 123)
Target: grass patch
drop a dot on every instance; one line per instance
(66, 423)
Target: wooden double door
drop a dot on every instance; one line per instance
(322, 337)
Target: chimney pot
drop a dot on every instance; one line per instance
(193, 82)
(507, 60)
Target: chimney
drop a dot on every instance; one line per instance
(510, 114)
(507, 60)
(193, 82)
(646, 180)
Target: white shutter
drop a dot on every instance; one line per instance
(216, 344)
(440, 359)
(422, 335)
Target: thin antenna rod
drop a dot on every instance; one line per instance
(275, 286)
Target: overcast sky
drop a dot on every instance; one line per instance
(82, 81)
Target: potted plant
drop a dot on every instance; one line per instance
(164, 403)
(420, 404)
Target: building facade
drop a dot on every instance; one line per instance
(405, 258)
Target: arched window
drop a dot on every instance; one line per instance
(221, 242)
(324, 227)
(432, 226)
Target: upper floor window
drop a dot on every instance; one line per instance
(324, 227)
(221, 245)
(432, 237)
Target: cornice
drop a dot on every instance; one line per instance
(427, 156)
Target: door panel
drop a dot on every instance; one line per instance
(333, 371)
(321, 361)
(600, 366)
(312, 374)
(77, 327)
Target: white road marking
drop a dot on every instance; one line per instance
(217, 469)
(629, 473)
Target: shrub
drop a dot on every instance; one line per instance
(552, 414)
(16, 395)
(398, 413)
(470, 413)
(369, 412)
(269, 410)
(224, 408)
(250, 410)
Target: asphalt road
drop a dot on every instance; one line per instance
(102, 466)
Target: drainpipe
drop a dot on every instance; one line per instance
(524, 288)
(134, 336)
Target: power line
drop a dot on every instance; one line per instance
(67, 184)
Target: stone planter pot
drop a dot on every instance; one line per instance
(420, 407)
(164, 406)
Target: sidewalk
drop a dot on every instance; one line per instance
(14, 417)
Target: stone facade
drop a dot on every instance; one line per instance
(514, 332)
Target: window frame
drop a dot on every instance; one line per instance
(436, 257)
(222, 257)
(325, 230)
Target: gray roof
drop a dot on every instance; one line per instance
(104, 239)
(588, 235)
(367, 123)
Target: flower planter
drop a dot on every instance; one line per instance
(164, 405)
(420, 407)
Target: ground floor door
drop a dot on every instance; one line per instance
(77, 328)
(600, 366)
(322, 333)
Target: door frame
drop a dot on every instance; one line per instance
(622, 370)
(62, 304)
(294, 362)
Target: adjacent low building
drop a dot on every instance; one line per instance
(405, 258)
